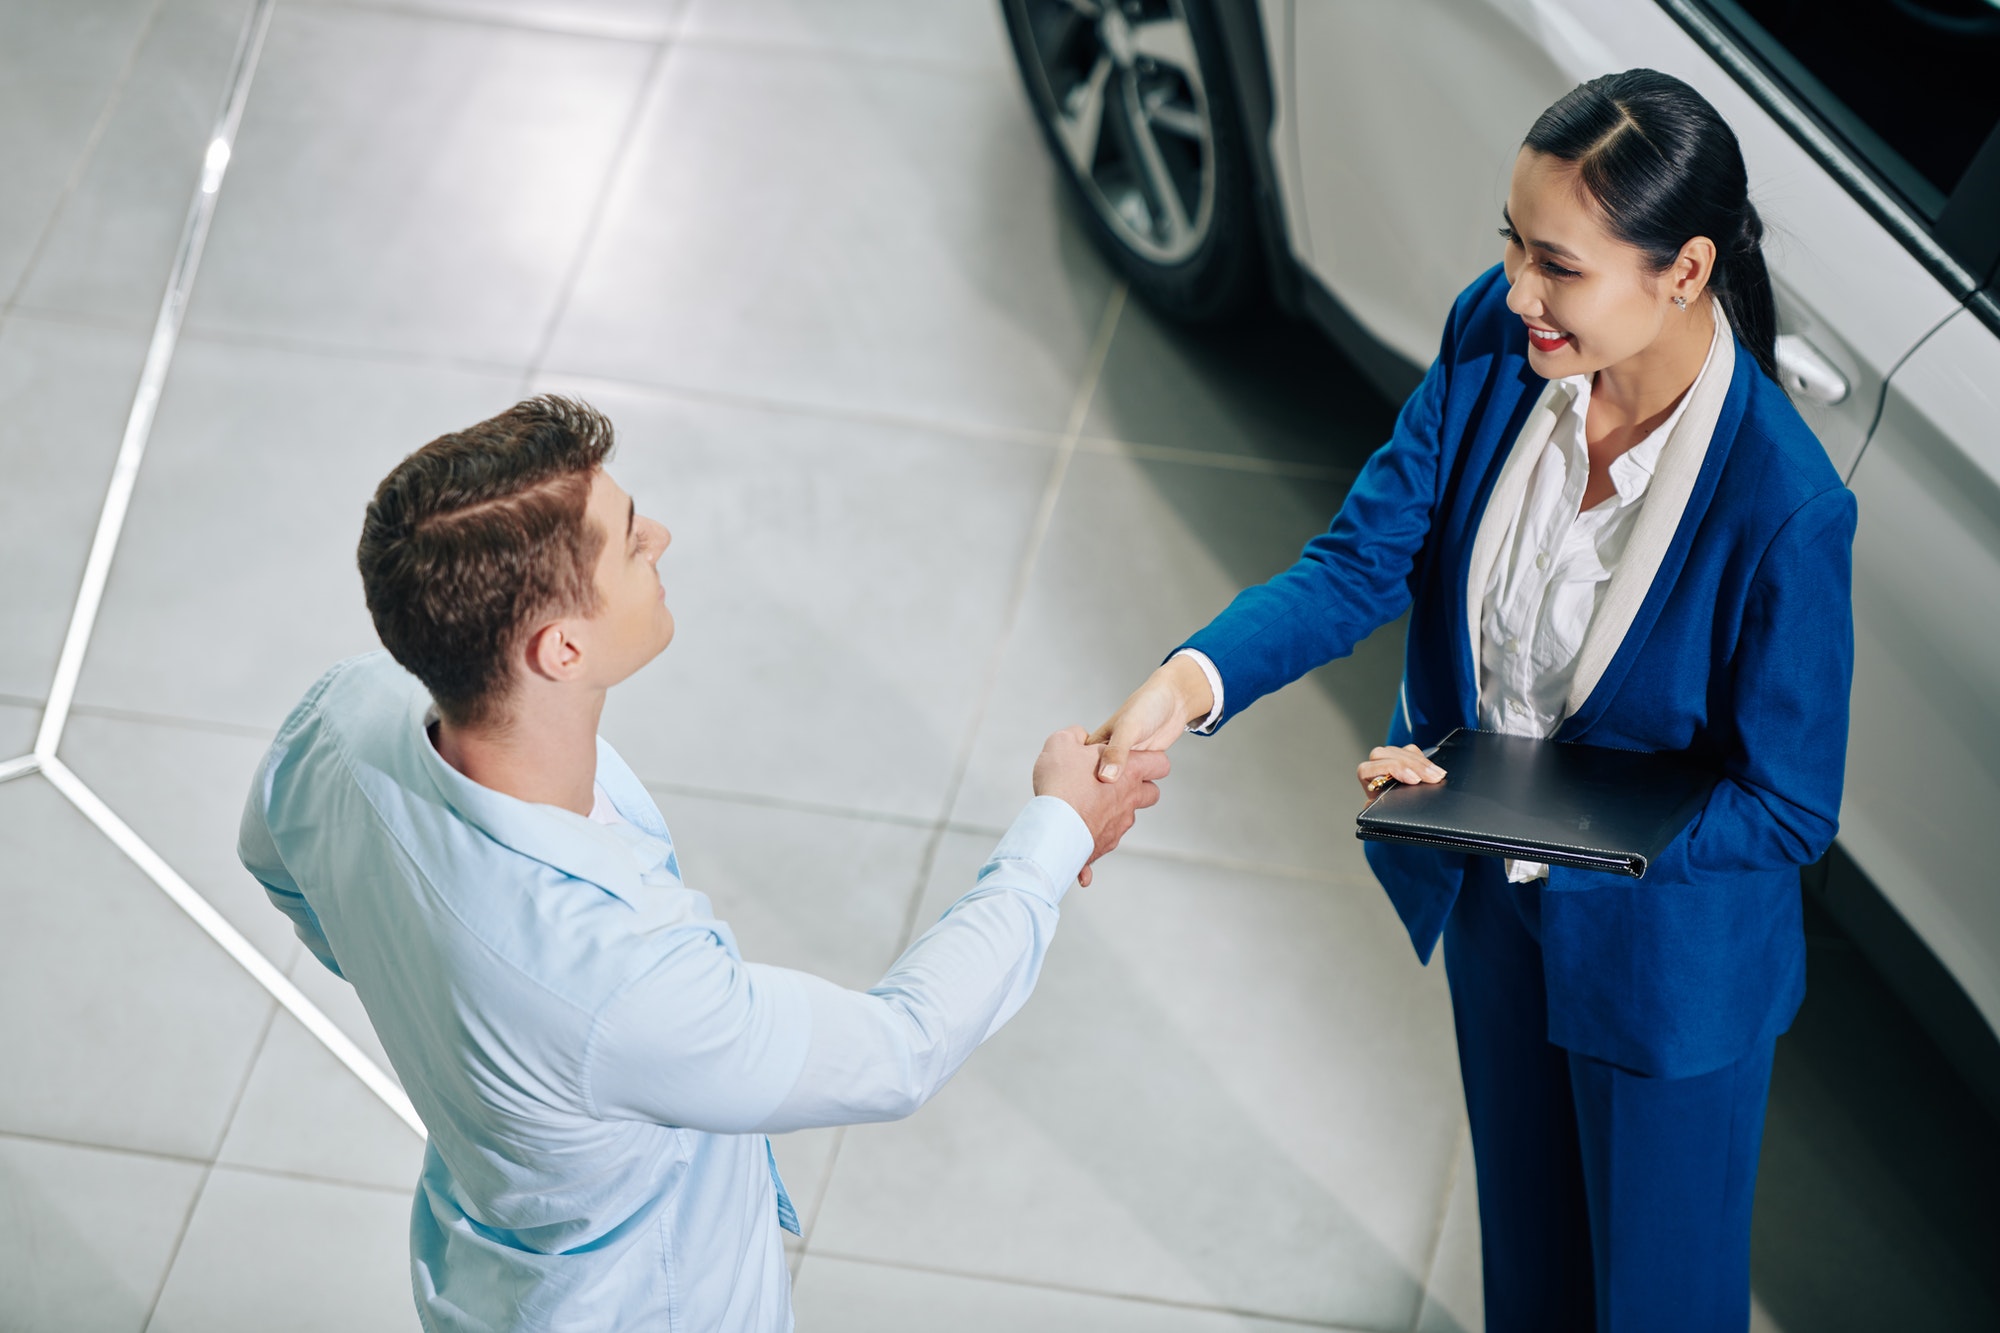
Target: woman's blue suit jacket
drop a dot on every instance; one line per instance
(1741, 653)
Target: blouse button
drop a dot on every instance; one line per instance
(1541, 560)
(1512, 645)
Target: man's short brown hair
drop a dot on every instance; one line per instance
(475, 537)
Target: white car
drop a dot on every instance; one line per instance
(1348, 158)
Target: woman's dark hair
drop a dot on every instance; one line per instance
(1665, 168)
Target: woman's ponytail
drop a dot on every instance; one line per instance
(1665, 167)
(1743, 285)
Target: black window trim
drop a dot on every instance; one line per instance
(1805, 127)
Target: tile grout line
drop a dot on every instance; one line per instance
(1461, 1143)
(614, 174)
(208, 1168)
(819, 1200)
(185, 1159)
(984, 432)
(1017, 597)
(98, 129)
(676, 31)
(1128, 1297)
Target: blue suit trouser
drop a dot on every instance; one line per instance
(1607, 1200)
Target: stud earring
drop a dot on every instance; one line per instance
(1681, 301)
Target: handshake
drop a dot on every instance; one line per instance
(1107, 776)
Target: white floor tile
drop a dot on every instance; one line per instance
(85, 1235)
(113, 243)
(1228, 1090)
(838, 589)
(636, 20)
(182, 789)
(60, 60)
(967, 32)
(17, 730)
(64, 394)
(303, 1113)
(265, 1252)
(741, 251)
(840, 1296)
(816, 892)
(125, 1025)
(411, 184)
(235, 585)
(1455, 1302)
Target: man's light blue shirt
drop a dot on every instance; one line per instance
(595, 1062)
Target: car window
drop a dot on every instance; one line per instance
(1912, 85)
(1904, 92)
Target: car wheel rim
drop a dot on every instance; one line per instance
(1122, 88)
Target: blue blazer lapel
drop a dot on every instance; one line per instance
(1500, 418)
(1578, 724)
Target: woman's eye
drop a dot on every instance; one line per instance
(1507, 235)
(1557, 270)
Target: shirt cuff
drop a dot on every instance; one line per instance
(1051, 836)
(1206, 726)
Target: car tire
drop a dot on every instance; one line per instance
(1136, 100)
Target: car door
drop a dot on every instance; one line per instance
(1406, 119)
(1923, 758)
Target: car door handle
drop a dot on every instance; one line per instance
(1804, 370)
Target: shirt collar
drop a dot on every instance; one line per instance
(558, 838)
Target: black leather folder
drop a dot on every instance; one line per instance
(1555, 802)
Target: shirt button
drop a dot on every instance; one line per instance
(1515, 707)
(1541, 560)
(1512, 645)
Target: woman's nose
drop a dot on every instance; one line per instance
(1522, 299)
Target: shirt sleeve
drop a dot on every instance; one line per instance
(706, 1041)
(1206, 726)
(258, 852)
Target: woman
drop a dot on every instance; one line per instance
(1609, 526)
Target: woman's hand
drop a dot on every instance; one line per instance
(1406, 764)
(1155, 716)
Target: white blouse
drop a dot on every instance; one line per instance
(1551, 571)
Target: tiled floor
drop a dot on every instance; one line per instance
(937, 488)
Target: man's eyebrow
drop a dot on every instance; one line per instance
(1549, 246)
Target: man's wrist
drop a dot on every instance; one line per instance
(1050, 834)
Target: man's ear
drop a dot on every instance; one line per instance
(552, 653)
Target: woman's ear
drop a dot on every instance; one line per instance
(1692, 269)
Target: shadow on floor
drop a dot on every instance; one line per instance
(1880, 1170)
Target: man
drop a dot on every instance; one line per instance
(595, 1062)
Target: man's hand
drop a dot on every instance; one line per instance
(1068, 768)
(1156, 715)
